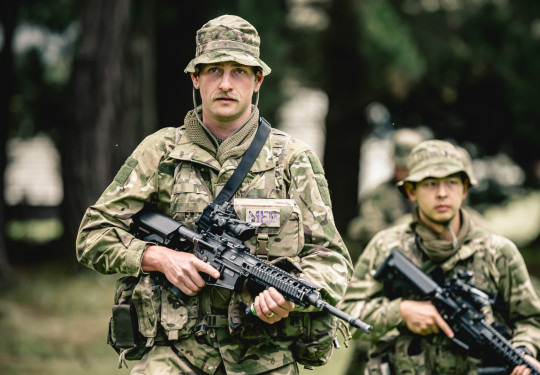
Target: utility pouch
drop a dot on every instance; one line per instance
(315, 345)
(124, 336)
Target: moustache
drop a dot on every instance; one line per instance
(222, 95)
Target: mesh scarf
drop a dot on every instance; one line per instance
(232, 147)
(438, 250)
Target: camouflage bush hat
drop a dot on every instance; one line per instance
(437, 159)
(227, 38)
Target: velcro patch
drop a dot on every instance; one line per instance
(124, 172)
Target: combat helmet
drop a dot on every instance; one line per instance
(227, 38)
(437, 159)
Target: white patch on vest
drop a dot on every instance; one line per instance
(263, 216)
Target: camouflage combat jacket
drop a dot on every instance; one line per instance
(169, 170)
(498, 268)
(380, 209)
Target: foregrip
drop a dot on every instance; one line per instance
(504, 350)
(298, 291)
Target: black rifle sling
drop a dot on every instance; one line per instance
(245, 164)
(239, 174)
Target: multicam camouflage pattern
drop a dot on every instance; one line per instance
(165, 360)
(437, 159)
(228, 38)
(498, 268)
(380, 209)
(286, 171)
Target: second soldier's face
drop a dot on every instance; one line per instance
(439, 199)
(226, 90)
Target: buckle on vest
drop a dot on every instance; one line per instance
(262, 246)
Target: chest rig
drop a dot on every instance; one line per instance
(196, 183)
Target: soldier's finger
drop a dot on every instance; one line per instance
(188, 290)
(262, 310)
(279, 299)
(444, 326)
(208, 269)
(263, 304)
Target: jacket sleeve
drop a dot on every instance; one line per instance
(365, 297)
(103, 240)
(523, 302)
(324, 259)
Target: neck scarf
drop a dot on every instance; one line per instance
(233, 147)
(437, 249)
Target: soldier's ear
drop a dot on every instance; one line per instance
(258, 80)
(466, 185)
(410, 189)
(195, 79)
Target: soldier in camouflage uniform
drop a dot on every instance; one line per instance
(181, 170)
(409, 336)
(384, 205)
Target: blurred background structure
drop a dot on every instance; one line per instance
(83, 81)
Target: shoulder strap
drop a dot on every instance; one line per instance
(234, 182)
(245, 164)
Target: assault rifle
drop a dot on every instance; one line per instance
(219, 241)
(459, 303)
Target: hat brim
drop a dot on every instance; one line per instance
(239, 57)
(440, 171)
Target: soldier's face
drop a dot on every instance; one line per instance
(438, 199)
(226, 90)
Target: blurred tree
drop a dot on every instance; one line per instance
(481, 77)
(349, 92)
(111, 102)
(8, 16)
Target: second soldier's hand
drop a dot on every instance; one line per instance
(423, 318)
(524, 370)
(180, 268)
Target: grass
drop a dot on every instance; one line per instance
(55, 323)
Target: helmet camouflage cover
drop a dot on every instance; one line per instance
(228, 38)
(437, 159)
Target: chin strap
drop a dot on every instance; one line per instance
(197, 113)
(452, 234)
